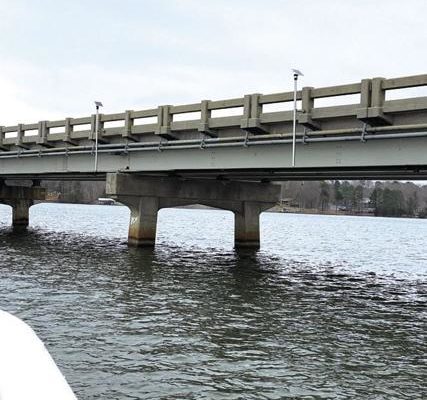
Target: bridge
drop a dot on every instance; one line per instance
(222, 153)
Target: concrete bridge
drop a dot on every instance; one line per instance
(222, 153)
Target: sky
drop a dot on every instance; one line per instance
(57, 57)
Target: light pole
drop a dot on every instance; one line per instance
(97, 105)
(296, 73)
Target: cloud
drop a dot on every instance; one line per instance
(138, 55)
(32, 94)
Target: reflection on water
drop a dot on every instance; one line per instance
(331, 307)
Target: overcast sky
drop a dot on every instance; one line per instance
(58, 56)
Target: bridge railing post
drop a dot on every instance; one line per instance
(94, 126)
(92, 132)
(68, 131)
(127, 132)
(2, 137)
(164, 120)
(372, 98)
(378, 94)
(307, 104)
(252, 110)
(376, 115)
(365, 100)
(19, 136)
(205, 115)
(99, 126)
(244, 124)
(42, 134)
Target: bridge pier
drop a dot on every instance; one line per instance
(143, 219)
(145, 196)
(21, 212)
(246, 225)
(20, 198)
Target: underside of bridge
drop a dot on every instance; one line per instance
(390, 172)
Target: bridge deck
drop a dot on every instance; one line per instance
(242, 138)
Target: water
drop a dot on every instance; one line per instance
(330, 308)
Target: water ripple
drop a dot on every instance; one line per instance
(320, 312)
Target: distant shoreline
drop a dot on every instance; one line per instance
(287, 210)
(275, 209)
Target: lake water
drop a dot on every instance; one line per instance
(329, 308)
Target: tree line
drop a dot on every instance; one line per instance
(387, 199)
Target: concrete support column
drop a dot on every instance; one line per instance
(20, 212)
(143, 220)
(246, 225)
(21, 198)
